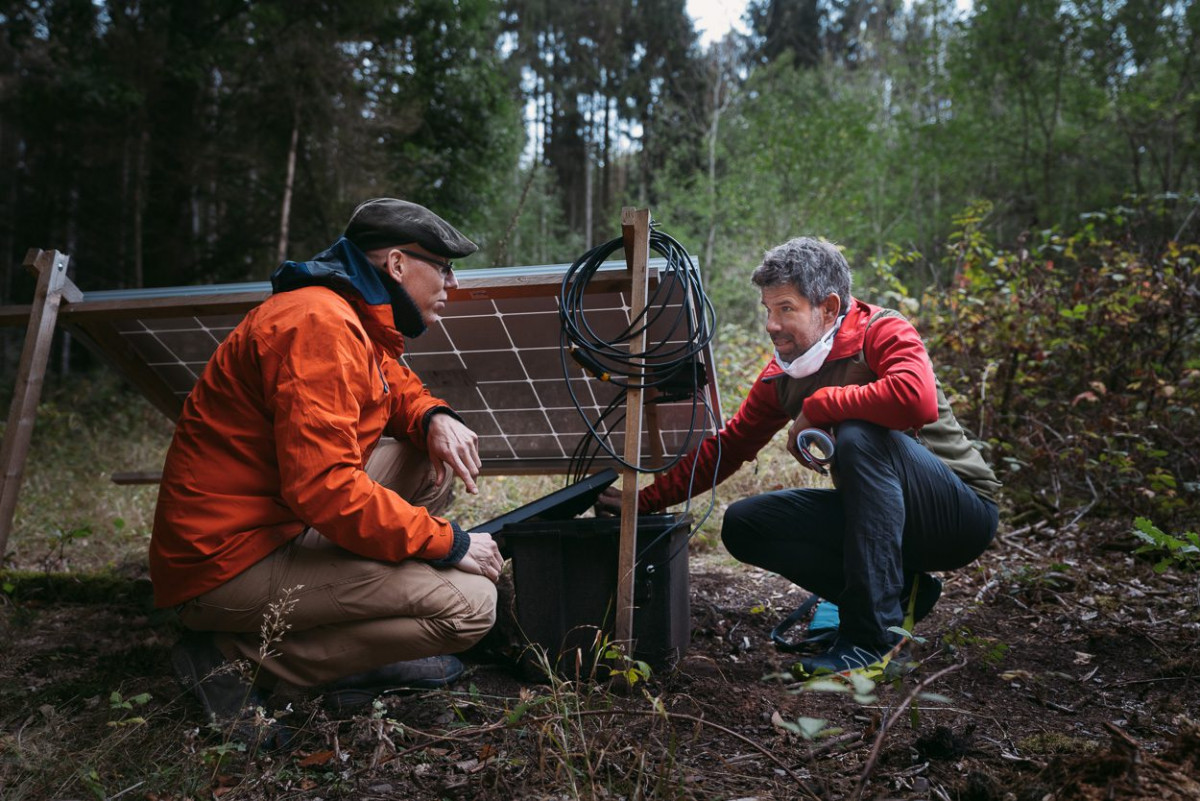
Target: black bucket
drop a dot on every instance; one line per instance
(565, 577)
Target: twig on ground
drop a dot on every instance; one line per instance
(463, 734)
(833, 742)
(887, 724)
(1088, 507)
(1010, 542)
(130, 788)
(985, 589)
(1146, 681)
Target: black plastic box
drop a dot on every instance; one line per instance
(565, 579)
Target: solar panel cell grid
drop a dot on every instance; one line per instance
(495, 357)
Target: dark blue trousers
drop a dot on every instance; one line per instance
(897, 511)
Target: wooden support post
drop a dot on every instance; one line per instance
(635, 230)
(53, 287)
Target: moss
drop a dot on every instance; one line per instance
(27, 586)
(1053, 743)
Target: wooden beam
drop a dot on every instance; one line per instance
(52, 285)
(131, 477)
(197, 302)
(492, 467)
(635, 231)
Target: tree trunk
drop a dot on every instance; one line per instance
(720, 102)
(139, 201)
(587, 177)
(286, 212)
(9, 150)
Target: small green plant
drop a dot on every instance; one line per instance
(859, 684)
(1181, 552)
(91, 780)
(621, 664)
(60, 540)
(810, 729)
(989, 650)
(119, 703)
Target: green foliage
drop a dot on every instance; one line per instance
(117, 701)
(194, 124)
(1075, 359)
(120, 704)
(1181, 552)
(987, 649)
(740, 354)
(810, 728)
(859, 684)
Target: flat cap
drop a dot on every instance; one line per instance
(384, 222)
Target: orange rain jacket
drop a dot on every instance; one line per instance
(276, 434)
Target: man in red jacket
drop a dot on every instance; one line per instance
(911, 494)
(303, 485)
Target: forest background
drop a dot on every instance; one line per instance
(1020, 177)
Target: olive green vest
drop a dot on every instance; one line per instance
(944, 438)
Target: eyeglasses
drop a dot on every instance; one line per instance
(444, 267)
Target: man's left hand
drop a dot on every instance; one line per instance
(799, 425)
(451, 444)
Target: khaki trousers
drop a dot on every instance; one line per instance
(312, 612)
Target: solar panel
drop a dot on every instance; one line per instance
(495, 357)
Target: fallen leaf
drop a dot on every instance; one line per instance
(315, 759)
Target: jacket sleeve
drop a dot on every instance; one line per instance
(323, 370)
(903, 396)
(411, 404)
(719, 455)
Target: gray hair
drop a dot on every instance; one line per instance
(813, 267)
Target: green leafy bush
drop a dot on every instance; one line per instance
(1075, 360)
(1182, 551)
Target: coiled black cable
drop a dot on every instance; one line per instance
(678, 320)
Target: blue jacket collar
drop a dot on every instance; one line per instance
(345, 268)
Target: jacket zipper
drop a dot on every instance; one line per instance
(382, 377)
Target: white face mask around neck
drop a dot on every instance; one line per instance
(811, 360)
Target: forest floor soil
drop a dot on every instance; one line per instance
(1061, 666)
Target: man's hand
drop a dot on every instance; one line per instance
(799, 425)
(454, 445)
(482, 557)
(609, 502)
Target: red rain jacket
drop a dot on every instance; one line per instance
(903, 397)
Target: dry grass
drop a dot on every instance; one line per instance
(69, 515)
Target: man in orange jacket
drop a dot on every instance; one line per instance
(296, 527)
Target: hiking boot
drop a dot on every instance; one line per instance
(203, 670)
(844, 657)
(928, 590)
(357, 691)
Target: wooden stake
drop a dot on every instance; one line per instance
(635, 230)
(52, 287)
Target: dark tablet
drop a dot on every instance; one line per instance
(562, 504)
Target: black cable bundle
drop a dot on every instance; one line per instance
(678, 320)
(671, 365)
